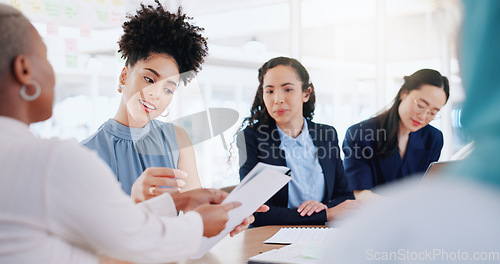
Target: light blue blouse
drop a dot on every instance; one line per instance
(129, 151)
(308, 182)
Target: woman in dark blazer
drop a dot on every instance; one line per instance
(398, 142)
(280, 132)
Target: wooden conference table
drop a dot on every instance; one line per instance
(235, 250)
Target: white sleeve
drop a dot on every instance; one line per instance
(86, 206)
(162, 205)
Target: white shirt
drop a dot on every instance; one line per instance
(59, 203)
(437, 221)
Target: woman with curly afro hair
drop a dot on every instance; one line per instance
(148, 156)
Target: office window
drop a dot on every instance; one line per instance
(356, 52)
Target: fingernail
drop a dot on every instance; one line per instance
(183, 173)
(180, 174)
(181, 183)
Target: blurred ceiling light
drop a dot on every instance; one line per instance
(253, 46)
(93, 64)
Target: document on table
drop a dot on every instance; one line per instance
(296, 253)
(306, 245)
(262, 182)
(290, 235)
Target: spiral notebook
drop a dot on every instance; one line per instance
(290, 235)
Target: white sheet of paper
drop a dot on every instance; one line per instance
(262, 182)
(305, 252)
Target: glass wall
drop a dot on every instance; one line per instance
(357, 53)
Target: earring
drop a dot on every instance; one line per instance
(166, 114)
(27, 97)
(120, 88)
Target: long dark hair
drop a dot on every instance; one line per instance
(389, 119)
(258, 112)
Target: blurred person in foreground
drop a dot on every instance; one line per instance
(452, 218)
(60, 203)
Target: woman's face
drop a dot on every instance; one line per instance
(148, 88)
(419, 107)
(283, 95)
(43, 74)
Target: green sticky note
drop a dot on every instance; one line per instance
(53, 9)
(71, 11)
(102, 15)
(71, 61)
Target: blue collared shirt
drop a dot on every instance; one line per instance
(301, 157)
(129, 151)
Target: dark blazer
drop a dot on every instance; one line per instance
(261, 144)
(366, 170)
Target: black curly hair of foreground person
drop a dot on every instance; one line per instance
(155, 30)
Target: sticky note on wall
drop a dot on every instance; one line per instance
(71, 60)
(102, 15)
(19, 4)
(53, 9)
(117, 2)
(36, 7)
(85, 31)
(52, 28)
(115, 18)
(71, 11)
(71, 45)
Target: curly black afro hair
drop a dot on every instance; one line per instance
(155, 30)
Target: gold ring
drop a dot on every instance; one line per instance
(152, 190)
